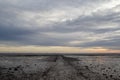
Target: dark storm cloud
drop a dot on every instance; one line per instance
(111, 44)
(60, 22)
(12, 33)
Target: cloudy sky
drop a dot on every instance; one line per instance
(60, 26)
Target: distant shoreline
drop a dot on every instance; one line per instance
(58, 54)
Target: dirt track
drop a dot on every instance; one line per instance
(65, 69)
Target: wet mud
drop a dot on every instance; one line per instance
(56, 68)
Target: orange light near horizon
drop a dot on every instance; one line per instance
(55, 49)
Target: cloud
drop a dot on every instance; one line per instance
(88, 23)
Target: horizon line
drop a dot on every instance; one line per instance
(57, 54)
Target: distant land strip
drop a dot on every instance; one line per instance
(59, 54)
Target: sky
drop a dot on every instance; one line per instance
(60, 26)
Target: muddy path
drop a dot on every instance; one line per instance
(65, 69)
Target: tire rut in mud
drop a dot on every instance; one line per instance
(62, 71)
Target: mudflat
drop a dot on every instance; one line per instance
(60, 67)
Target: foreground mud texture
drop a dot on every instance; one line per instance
(55, 68)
